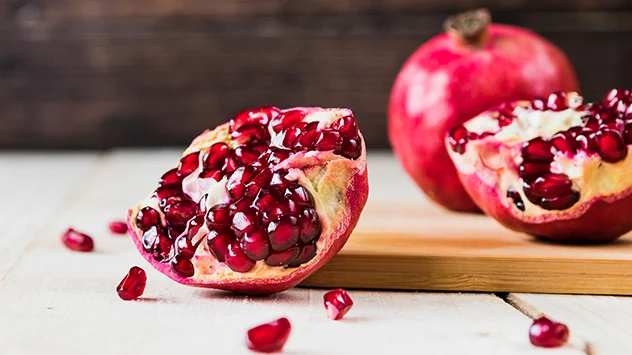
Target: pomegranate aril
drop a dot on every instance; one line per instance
(607, 116)
(236, 184)
(260, 116)
(564, 142)
(586, 142)
(306, 140)
(283, 233)
(552, 185)
(283, 257)
(255, 245)
(218, 217)
(251, 133)
(535, 199)
(184, 247)
(217, 242)
(530, 171)
(240, 205)
(277, 155)
(194, 225)
(328, 140)
(150, 235)
(216, 156)
(286, 120)
(161, 249)
(352, 148)
(118, 227)
(515, 197)
(167, 191)
(188, 164)
(557, 101)
(611, 146)
(279, 182)
(269, 337)
(133, 284)
(291, 134)
(147, 218)
(592, 123)
(236, 259)
(77, 241)
(299, 195)
(546, 333)
(214, 174)
(279, 210)
(560, 203)
(307, 253)
(347, 126)
(245, 221)
(337, 303)
(538, 104)
(179, 213)
(257, 182)
(616, 94)
(246, 155)
(537, 150)
(182, 266)
(310, 225)
(264, 200)
(616, 125)
(170, 177)
(458, 139)
(231, 164)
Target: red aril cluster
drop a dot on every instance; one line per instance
(546, 333)
(77, 241)
(133, 284)
(269, 337)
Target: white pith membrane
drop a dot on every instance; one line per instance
(496, 158)
(325, 175)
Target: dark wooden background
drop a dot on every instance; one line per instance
(108, 73)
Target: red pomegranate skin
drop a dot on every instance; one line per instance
(445, 83)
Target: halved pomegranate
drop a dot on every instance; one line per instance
(258, 204)
(554, 168)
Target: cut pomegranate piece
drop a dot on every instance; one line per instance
(77, 241)
(133, 284)
(337, 303)
(269, 337)
(118, 227)
(546, 333)
(247, 205)
(558, 173)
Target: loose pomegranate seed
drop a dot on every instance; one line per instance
(188, 164)
(245, 221)
(515, 196)
(546, 333)
(184, 247)
(179, 213)
(259, 116)
(347, 127)
(170, 177)
(307, 253)
(283, 233)
(337, 303)
(310, 225)
(218, 241)
(216, 156)
(77, 241)
(269, 337)
(118, 227)
(255, 245)
(147, 218)
(552, 185)
(537, 150)
(557, 101)
(284, 257)
(237, 260)
(218, 217)
(182, 266)
(611, 146)
(530, 171)
(133, 284)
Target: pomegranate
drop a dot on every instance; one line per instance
(269, 337)
(475, 65)
(77, 241)
(551, 167)
(546, 333)
(337, 303)
(133, 284)
(118, 227)
(258, 204)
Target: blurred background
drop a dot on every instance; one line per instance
(95, 74)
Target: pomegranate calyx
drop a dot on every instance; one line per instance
(470, 27)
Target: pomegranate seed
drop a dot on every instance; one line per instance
(218, 241)
(557, 101)
(133, 284)
(530, 171)
(218, 217)
(282, 258)
(239, 206)
(607, 116)
(552, 185)
(538, 104)
(118, 227)
(560, 203)
(616, 94)
(254, 185)
(622, 107)
(260, 116)
(299, 195)
(194, 225)
(537, 150)
(188, 164)
(564, 142)
(278, 155)
(310, 225)
(214, 174)
(182, 266)
(264, 200)
(546, 333)
(337, 303)
(167, 191)
(328, 140)
(307, 253)
(231, 164)
(616, 125)
(291, 134)
(526, 188)
(347, 126)
(237, 260)
(184, 247)
(586, 142)
(245, 221)
(611, 146)
(216, 156)
(307, 139)
(250, 133)
(179, 213)
(255, 245)
(77, 241)
(592, 123)
(246, 155)
(269, 337)
(276, 212)
(170, 177)
(279, 182)
(352, 148)
(150, 235)
(458, 139)
(147, 218)
(283, 233)
(161, 248)
(236, 184)
(515, 197)
(286, 120)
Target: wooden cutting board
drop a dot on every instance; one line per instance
(421, 247)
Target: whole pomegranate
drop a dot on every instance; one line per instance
(554, 168)
(475, 65)
(257, 204)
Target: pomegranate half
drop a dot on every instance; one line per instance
(475, 65)
(257, 204)
(554, 168)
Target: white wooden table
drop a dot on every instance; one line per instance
(54, 301)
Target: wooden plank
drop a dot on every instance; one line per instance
(603, 321)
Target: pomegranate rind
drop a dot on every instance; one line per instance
(340, 177)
